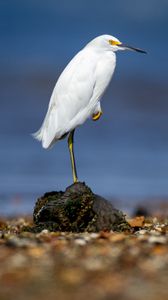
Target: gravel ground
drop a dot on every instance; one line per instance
(106, 265)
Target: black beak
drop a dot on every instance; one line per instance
(132, 48)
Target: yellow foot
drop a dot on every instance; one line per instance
(96, 116)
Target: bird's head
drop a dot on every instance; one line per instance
(109, 42)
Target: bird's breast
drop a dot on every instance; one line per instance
(103, 73)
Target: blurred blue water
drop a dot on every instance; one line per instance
(39, 34)
(125, 154)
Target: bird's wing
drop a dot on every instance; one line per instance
(70, 99)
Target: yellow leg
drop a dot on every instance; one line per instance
(71, 150)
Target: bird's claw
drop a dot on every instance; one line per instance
(96, 116)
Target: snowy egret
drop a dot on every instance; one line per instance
(78, 92)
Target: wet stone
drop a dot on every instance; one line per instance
(77, 209)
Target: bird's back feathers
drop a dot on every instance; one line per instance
(76, 94)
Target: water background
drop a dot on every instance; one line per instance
(123, 156)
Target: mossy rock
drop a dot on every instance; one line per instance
(77, 209)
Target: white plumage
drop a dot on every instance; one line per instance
(78, 91)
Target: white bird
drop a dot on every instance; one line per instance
(78, 91)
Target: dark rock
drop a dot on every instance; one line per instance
(141, 211)
(77, 209)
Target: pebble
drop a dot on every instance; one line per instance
(94, 264)
(142, 231)
(80, 242)
(155, 232)
(157, 239)
(20, 242)
(18, 260)
(43, 232)
(94, 235)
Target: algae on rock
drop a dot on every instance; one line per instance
(77, 209)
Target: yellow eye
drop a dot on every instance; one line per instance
(114, 43)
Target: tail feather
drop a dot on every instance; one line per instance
(37, 135)
(49, 133)
(40, 136)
